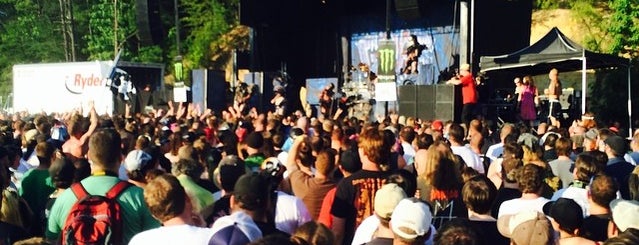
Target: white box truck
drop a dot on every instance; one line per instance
(62, 87)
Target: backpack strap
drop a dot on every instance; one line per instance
(117, 189)
(79, 191)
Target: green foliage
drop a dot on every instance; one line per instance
(608, 96)
(624, 27)
(206, 22)
(593, 20)
(26, 36)
(112, 24)
(151, 54)
(34, 28)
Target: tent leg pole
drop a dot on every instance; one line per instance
(629, 105)
(584, 86)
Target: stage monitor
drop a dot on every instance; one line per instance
(314, 87)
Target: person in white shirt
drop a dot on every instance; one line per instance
(530, 182)
(406, 136)
(456, 137)
(585, 168)
(495, 151)
(168, 202)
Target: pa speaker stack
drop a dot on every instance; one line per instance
(147, 13)
(410, 9)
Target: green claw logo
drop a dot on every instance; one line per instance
(386, 60)
(386, 54)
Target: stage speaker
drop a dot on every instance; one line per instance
(216, 87)
(426, 101)
(445, 102)
(407, 100)
(161, 98)
(410, 9)
(149, 24)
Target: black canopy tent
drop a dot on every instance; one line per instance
(555, 50)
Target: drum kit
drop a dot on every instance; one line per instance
(360, 92)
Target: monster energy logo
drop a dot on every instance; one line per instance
(386, 60)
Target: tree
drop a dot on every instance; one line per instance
(112, 24)
(27, 36)
(624, 27)
(591, 16)
(205, 22)
(609, 93)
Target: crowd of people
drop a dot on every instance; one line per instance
(190, 176)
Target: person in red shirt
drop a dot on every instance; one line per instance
(469, 92)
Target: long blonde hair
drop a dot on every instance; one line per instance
(442, 171)
(10, 209)
(528, 81)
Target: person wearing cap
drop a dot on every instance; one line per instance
(603, 189)
(137, 163)
(140, 143)
(168, 203)
(252, 198)
(469, 92)
(228, 171)
(567, 219)
(254, 142)
(615, 147)
(526, 228)
(375, 229)
(410, 222)
(437, 125)
(352, 199)
(625, 220)
(371, 227)
(590, 140)
(602, 135)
